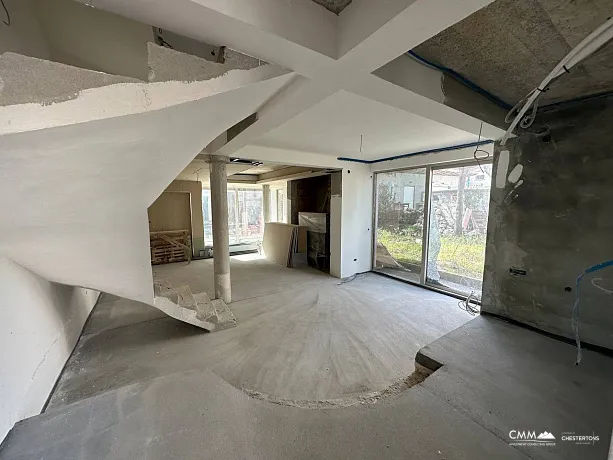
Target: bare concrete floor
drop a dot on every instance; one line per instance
(494, 378)
(145, 387)
(301, 335)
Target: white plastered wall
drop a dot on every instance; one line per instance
(41, 323)
(356, 221)
(74, 197)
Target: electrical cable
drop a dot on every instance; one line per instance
(8, 15)
(462, 79)
(585, 48)
(466, 306)
(574, 319)
(477, 149)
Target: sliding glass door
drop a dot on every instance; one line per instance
(459, 200)
(446, 250)
(400, 223)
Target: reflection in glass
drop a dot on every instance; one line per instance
(458, 227)
(400, 223)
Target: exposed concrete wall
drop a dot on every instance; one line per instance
(32, 80)
(169, 65)
(165, 210)
(94, 39)
(40, 323)
(24, 35)
(554, 225)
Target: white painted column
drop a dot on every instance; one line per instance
(266, 203)
(221, 234)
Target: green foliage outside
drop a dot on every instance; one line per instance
(463, 255)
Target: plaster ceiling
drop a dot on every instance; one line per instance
(198, 170)
(264, 168)
(334, 127)
(509, 46)
(336, 6)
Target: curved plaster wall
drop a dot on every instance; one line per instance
(77, 176)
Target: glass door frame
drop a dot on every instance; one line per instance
(426, 230)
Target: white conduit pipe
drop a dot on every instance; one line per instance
(588, 45)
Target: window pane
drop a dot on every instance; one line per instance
(400, 220)
(250, 222)
(458, 228)
(206, 214)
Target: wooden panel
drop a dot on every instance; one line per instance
(282, 241)
(170, 246)
(171, 211)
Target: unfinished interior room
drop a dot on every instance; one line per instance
(306, 229)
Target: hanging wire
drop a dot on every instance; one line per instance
(466, 306)
(477, 149)
(8, 15)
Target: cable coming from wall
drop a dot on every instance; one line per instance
(8, 15)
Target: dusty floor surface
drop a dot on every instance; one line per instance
(301, 335)
(149, 388)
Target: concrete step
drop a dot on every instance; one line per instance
(196, 414)
(180, 303)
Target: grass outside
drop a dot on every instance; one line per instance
(462, 255)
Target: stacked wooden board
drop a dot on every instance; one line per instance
(170, 246)
(285, 244)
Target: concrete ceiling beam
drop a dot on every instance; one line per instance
(304, 37)
(297, 96)
(371, 34)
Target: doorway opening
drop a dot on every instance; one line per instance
(431, 226)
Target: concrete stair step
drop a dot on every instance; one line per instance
(197, 309)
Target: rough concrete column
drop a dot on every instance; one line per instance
(266, 203)
(221, 234)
